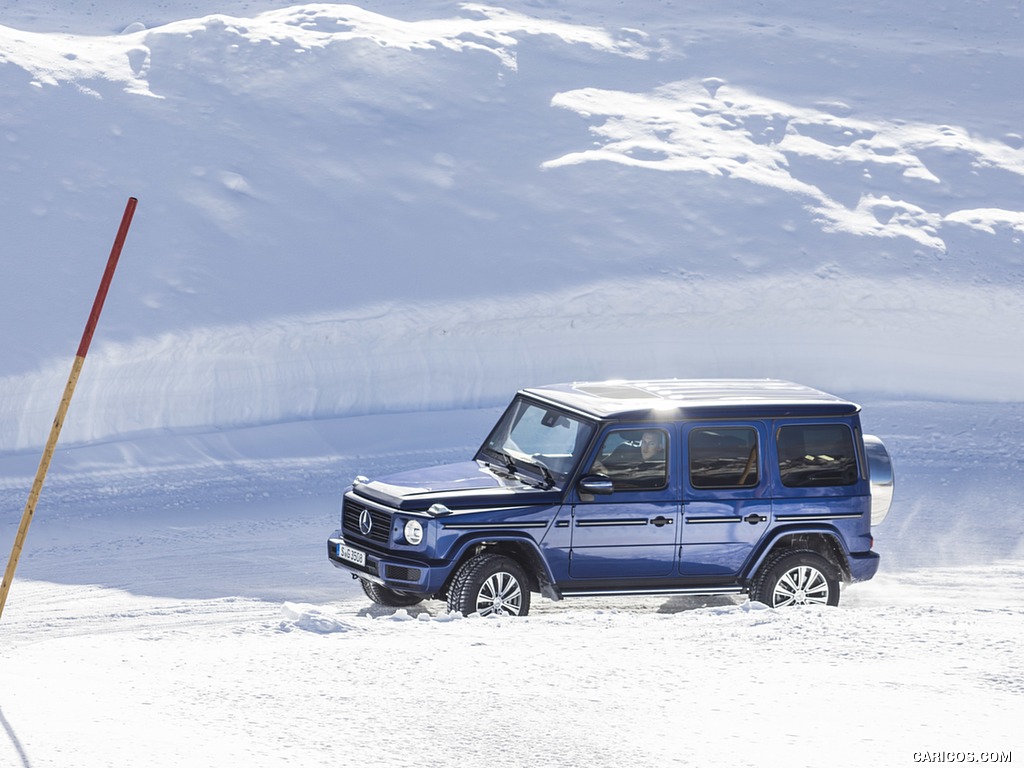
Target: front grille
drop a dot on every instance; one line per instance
(401, 573)
(380, 530)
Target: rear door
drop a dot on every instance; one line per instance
(632, 532)
(726, 496)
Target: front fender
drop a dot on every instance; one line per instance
(522, 548)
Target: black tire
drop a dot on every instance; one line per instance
(490, 584)
(799, 577)
(389, 597)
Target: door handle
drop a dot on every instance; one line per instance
(660, 521)
(755, 519)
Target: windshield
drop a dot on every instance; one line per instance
(539, 443)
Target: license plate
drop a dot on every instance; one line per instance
(346, 552)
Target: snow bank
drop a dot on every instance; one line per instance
(838, 332)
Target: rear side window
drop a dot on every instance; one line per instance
(724, 457)
(816, 455)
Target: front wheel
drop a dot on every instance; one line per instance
(802, 577)
(389, 597)
(490, 584)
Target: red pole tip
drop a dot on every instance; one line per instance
(108, 275)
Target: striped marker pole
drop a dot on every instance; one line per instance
(62, 409)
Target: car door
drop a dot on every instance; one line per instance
(632, 531)
(726, 496)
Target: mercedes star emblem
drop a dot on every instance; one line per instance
(365, 522)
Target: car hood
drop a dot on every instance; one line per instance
(466, 485)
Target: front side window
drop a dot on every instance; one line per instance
(536, 440)
(634, 459)
(816, 455)
(724, 457)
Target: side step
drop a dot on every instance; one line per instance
(653, 591)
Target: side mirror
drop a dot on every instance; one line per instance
(596, 485)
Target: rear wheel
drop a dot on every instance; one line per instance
(802, 577)
(490, 584)
(389, 597)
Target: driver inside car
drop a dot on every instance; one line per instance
(635, 463)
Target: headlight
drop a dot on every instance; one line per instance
(413, 532)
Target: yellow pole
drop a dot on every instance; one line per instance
(37, 485)
(62, 409)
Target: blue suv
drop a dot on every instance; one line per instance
(695, 487)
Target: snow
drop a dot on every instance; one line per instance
(360, 229)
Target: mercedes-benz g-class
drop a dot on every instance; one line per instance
(725, 486)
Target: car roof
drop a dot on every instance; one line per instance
(660, 399)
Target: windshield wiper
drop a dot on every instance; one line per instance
(548, 479)
(507, 462)
(515, 467)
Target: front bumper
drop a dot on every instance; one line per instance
(863, 565)
(400, 574)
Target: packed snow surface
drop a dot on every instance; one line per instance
(361, 228)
